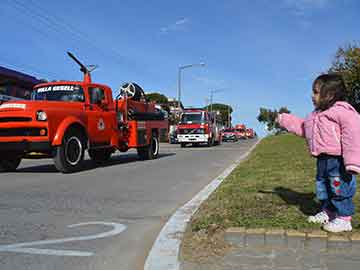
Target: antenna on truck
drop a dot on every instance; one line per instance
(83, 68)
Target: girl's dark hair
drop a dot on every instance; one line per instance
(332, 88)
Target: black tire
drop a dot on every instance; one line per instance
(210, 142)
(69, 156)
(150, 151)
(100, 155)
(182, 145)
(9, 164)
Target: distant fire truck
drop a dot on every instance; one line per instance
(65, 118)
(198, 126)
(250, 133)
(240, 131)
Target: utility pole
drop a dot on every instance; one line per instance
(229, 117)
(211, 95)
(179, 79)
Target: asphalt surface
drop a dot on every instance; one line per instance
(126, 202)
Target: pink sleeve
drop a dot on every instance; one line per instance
(292, 123)
(350, 139)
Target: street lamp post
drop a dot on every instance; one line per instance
(211, 95)
(179, 79)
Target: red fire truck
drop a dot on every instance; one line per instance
(198, 126)
(240, 131)
(65, 118)
(250, 133)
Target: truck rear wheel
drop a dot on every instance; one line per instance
(150, 151)
(9, 164)
(100, 155)
(70, 155)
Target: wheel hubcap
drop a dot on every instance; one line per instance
(155, 146)
(73, 150)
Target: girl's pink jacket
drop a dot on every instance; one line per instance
(335, 131)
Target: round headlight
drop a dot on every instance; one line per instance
(41, 116)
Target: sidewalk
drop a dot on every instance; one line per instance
(284, 250)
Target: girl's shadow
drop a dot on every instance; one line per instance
(306, 201)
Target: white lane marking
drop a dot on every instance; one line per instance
(19, 247)
(54, 252)
(165, 251)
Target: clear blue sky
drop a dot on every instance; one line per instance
(265, 53)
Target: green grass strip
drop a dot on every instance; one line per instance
(273, 188)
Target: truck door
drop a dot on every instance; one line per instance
(99, 118)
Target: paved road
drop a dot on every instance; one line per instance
(126, 202)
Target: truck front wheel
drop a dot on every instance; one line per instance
(210, 142)
(70, 155)
(150, 151)
(9, 164)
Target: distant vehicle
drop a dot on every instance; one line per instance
(250, 133)
(229, 134)
(198, 126)
(240, 131)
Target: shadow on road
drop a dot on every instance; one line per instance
(91, 165)
(306, 201)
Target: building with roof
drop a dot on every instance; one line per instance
(15, 84)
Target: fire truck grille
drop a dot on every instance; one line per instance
(185, 131)
(14, 119)
(12, 132)
(191, 131)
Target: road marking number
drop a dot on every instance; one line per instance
(117, 228)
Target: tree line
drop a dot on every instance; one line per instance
(223, 109)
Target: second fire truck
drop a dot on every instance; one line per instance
(198, 126)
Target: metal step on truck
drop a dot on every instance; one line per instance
(64, 119)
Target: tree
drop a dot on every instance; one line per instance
(225, 112)
(267, 117)
(157, 97)
(347, 63)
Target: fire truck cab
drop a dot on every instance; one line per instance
(198, 126)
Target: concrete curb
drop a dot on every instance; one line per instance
(164, 255)
(314, 239)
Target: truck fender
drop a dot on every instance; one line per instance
(64, 125)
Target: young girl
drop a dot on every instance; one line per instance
(332, 132)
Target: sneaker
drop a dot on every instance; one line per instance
(338, 225)
(321, 217)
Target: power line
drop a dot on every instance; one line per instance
(34, 16)
(58, 25)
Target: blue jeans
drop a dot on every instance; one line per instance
(335, 188)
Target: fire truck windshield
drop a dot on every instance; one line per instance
(72, 93)
(193, 118)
